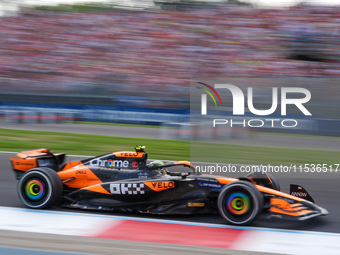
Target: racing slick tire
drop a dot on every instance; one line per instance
(40, 188)
(240, 202)
(275, 182)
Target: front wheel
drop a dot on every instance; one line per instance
(240, 202)
(40, 188)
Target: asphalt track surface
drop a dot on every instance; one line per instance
(298, 142)
(323, 187)
(44, 244)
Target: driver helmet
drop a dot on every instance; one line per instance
(159, 163)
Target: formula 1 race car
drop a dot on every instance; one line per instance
(123, 181)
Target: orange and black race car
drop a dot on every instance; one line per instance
(123, 181)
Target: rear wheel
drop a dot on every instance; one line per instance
(40, 188)
(240, 202)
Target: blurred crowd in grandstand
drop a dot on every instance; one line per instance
(154, 53)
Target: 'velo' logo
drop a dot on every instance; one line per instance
(160, 185)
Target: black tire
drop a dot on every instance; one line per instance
(240, 202)
(40, 188)
(275, 183)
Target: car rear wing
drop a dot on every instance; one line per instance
(27, 160)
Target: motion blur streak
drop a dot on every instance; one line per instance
(172, 232)
(116, 53)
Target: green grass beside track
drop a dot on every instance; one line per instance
(91, 145)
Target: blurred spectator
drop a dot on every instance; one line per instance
(155, 53)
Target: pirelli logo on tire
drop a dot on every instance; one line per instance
(160, 185)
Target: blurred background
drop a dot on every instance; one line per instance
(132, 61)
(68, 65)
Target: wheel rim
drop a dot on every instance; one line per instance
(34, 189)
(238, 203)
